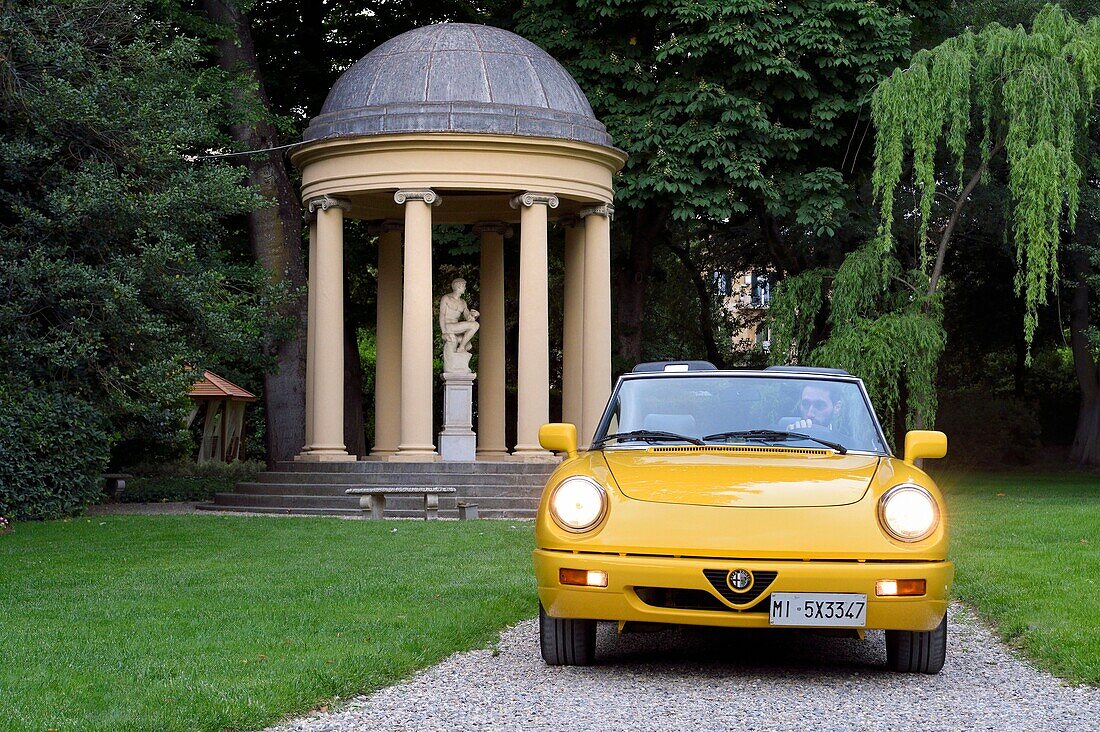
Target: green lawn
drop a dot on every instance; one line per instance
(1029, 560)
(210, 623)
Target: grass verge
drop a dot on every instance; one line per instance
(1027, 556)
(211, 623)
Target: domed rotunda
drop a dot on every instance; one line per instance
(458, 124)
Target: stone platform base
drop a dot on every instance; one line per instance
(501, 489)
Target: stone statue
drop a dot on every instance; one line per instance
(458, 324)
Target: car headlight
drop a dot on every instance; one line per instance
(578, 504)
(908, 512)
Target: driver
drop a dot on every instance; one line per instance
(817, 408)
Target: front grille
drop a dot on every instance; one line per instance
(676, 598)
(761, 582)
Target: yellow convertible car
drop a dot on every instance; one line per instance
(746, 499)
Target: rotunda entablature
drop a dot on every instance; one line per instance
(487, 169)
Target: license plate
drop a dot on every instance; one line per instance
(830, 609)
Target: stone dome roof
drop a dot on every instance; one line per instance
(458, 77)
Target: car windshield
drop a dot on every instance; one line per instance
(735, 409)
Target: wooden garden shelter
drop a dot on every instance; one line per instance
(222, 402)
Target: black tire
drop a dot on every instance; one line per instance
(566, 642)
(913, 652)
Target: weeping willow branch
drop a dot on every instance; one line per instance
(1029, 96)
(1032, 92)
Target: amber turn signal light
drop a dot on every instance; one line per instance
(900, 588)
(583, 577)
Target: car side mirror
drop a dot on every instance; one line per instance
(924, 444)
(559, 437)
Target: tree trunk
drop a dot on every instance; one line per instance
(1086, 443)
(275, 235)
(632, 279)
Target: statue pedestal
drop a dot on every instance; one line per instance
(457, 441)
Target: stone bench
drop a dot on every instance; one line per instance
(115, 484)
(374, 498)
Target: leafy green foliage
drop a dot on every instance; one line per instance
(1033, 93)
(887, 336)
(1030, 94)
(115, 276)
(896, 348)
(722, 106)
(53, 446)
(186, 480)
(794, 312)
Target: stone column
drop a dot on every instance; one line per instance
(597, 318)
(327, 423)
(573, 324)
(490, 347)
(311, 331)
(533, 382)
(387, 378)
(417, 327)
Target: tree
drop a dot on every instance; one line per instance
(274, 227)
(1033, 94)
(283, 78)
(1031, 97)
(114, 277)
(729, 111)
(1083, 254)
(302, 47)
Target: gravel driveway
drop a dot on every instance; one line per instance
(702, 679)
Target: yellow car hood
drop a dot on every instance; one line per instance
(742, 477)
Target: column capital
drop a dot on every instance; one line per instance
(493, 227)
(385, 227)
(427, 195)
(569, 222)
(530, 199)
(326, 202)
(604, 209)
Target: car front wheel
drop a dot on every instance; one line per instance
(566, 642)
(917, 651)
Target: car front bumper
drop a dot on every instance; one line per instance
(638, 589)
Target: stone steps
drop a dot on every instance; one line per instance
(509, 514)
(466, 492)
(435, 468)
(343, 501)
(507, 490)
(426, 479)
(282, 511)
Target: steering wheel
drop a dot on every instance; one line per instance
(823, 433)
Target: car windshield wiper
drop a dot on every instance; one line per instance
(774, 435)
(648, 436)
